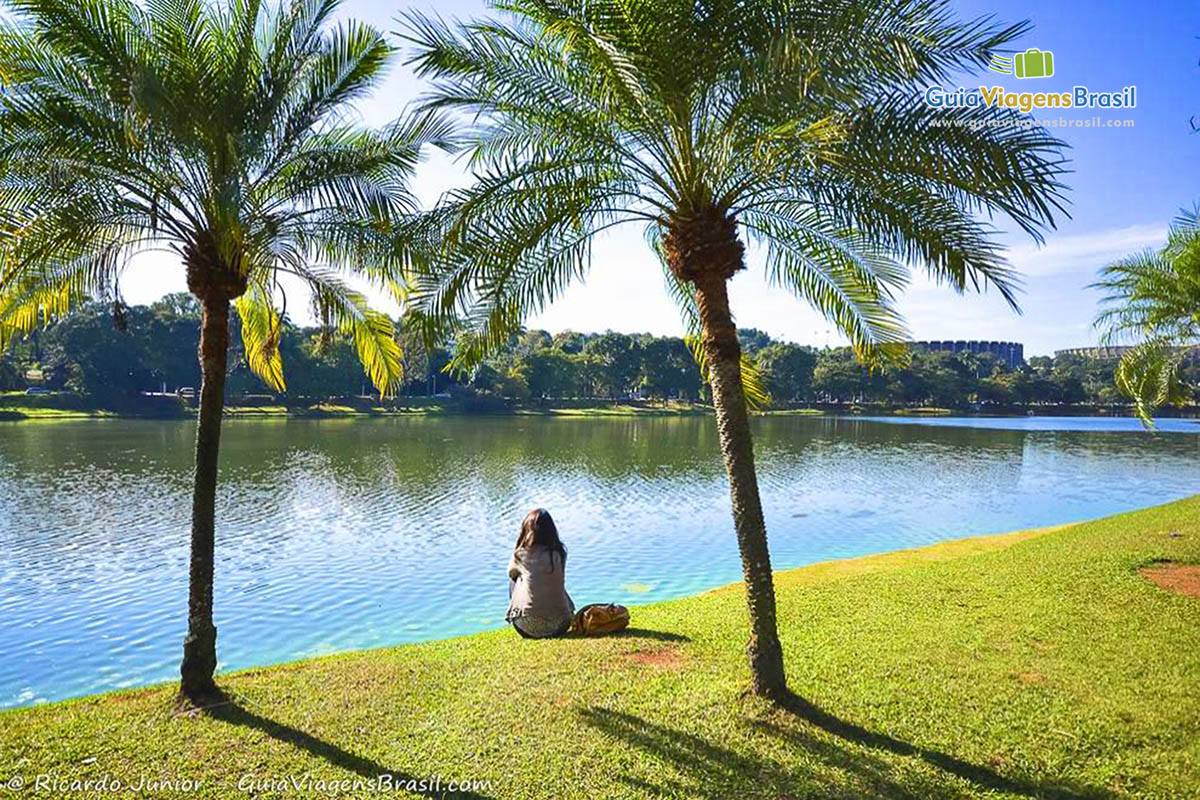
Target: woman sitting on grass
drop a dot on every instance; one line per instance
(539, 606)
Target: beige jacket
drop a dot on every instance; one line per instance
(538, 587)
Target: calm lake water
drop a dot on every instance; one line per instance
(344, 534)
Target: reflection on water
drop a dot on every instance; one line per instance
(336, 535)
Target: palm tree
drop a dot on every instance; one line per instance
(216, 132)
(1154, 298)
(796, 125)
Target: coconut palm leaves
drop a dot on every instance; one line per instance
(801, 120)
(215, 131)
(1153, 299)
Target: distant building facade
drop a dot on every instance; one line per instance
(1098, 353)
(1115, 352)
(1011, 353)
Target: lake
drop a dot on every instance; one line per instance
(345, 534)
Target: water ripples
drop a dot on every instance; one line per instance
(336, 535)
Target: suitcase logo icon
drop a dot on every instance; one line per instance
(1033, 63)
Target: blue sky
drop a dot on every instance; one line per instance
(1126, 186)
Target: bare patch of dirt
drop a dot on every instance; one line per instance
(1031, 678)
(1181, 578)
(665, 658)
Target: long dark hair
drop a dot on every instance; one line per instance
(538, 530)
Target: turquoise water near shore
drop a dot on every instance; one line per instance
(346, 534)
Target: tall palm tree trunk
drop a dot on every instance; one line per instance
(200, 645)
(704, 249)
(723, 357)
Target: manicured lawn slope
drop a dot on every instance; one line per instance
(1031, 665)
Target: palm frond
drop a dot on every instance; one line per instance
(372, 332)
(1151, 299)
(1150, 375)
(262, 329)
(844, 276)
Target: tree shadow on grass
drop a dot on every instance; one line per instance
(705, 768)
(645, 633)
(237, 715)
(634, 633)
(981, 776)
(699, 767)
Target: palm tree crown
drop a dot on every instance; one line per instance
(795, 124)
(215, 131)
(1153, 299)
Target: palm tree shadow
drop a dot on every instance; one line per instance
(646, 633)
(238, 715)
(633, 633)
(706, 769)
(978, 774)
(706, 765)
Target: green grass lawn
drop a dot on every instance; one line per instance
(1038, 664)
(324, 410)
(669, 410)
(794, 412)
(255, 411)
(33, 413)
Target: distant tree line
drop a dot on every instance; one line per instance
(113, 355)
(539, 365)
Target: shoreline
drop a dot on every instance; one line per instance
(900, 662)
(15, 414)
(947, 549)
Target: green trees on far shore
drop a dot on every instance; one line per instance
(155, 348)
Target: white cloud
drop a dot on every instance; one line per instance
(1086, 252)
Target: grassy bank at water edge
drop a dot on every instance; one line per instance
(1035, 664)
